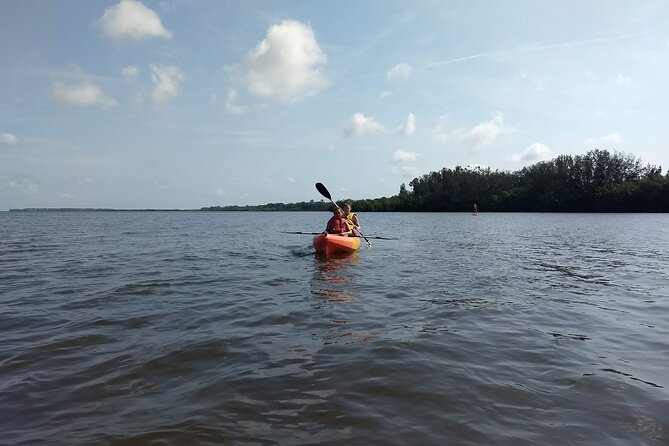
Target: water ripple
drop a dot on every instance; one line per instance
(205, 328)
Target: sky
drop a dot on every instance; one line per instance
(184, 104)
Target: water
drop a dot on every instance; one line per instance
(214, 328)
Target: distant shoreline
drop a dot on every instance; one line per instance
(96, 210)
(237, 209)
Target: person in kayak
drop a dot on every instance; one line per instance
(351, 220)
(337, 224)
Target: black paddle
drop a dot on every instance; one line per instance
(324, 192)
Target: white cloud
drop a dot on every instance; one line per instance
(8, 139)
(613, 138)
(534, 152)
(399, 72)
(287, 64)
(385, 94)
(401, 156)
(82, 95)
(131, 19)
(24, 185)
(485, 133)
(220, 192)
(130, 71)
(166, 80)
(360, 125)
(409, 127)
(481, 135)
(402, 163)
(67, 195)
(623, 80)
(291, 179)
(607, 141)
(231, 105)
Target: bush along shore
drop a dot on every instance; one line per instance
(598, 181)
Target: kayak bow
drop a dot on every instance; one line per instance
(330, 244)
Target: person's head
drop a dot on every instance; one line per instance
(338, 212)
(347, 207)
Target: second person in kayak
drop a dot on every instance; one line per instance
(351, 220)
(337, 225)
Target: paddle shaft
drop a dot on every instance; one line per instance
(326, 193)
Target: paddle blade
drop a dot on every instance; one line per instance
(323, 191)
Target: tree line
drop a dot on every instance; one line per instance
(598, 181)
(310, 205)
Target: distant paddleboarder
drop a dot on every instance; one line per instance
(475, 210)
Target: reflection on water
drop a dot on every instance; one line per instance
(333, 279)
(333, 283)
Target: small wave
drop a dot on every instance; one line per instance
(573, 272)
(578, 337)
(58, 348)
(303, 251)
(278, 281)
(630, 376)
(142, 289)
(130, 323)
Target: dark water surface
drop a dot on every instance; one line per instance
(213, 328)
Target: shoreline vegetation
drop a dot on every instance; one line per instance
(598, 181)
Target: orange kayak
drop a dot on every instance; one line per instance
(330, 244)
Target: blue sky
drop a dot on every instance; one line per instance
(184, 104)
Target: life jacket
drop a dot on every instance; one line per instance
(349, 220)
(337, 226)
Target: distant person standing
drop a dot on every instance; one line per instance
(475, 210)
(351, 219)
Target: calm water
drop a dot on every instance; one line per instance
(214, 328)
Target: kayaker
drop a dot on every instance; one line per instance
(337, 224)
(351, 219)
